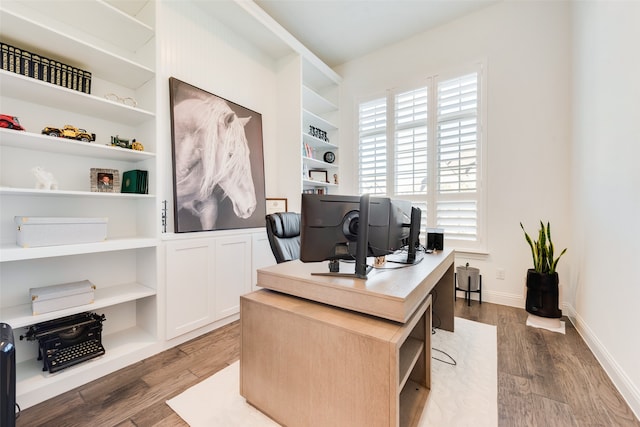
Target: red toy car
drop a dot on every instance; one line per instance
(10, 122)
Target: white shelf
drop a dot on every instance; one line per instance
(12, 252)
(311, 119)
(317, 142)
(313, 101)
(14, 85)
(30, 378)
(136, 36)
(71, 49)
(319, 78)
(50, 144)
(33, 192)
(21, 315)
(310, 183)
(318, 164)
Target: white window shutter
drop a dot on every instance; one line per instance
(457, 174)
(373, 147)
(411, 142)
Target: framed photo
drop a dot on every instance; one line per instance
(104, 180)
(218, 164)
(276, 205)
(318, 175)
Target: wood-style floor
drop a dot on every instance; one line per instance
(544, 379)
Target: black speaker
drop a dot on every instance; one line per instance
(7, 377)
(435, 239)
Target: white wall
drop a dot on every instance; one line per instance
(605, 288)
(527, 53)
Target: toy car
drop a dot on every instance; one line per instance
(124, 143)
(116, 141)
(70, 132)
(10, 122)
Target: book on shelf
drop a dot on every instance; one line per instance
(316, 190)
(36, 66)
(308, 151)
(135, 181)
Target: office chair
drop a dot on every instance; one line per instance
(283, 231)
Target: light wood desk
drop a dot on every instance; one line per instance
(325, 352)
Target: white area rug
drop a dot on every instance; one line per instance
(461, 395)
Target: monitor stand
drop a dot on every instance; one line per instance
(334, 270)
(403, 258)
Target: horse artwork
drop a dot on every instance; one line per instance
(217, 162)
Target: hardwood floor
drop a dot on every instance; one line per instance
(544, 379)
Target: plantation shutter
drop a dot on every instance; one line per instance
(458, 151)
(373, 147)
(411, 142)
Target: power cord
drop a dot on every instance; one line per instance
(452, 361)
(435, 317)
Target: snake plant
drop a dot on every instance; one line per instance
(542, 250)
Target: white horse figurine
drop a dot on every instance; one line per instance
(44, 179)
(211, 152)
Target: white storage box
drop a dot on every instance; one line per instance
(53, 231)
(59, 297)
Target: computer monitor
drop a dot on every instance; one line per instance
(331, 229)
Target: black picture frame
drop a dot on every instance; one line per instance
(212, 189)
(319, 175)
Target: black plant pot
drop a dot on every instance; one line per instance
(542, 294)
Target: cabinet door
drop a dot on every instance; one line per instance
(190, 285)
(262, 256)
(232, 273)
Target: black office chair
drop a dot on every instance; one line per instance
(283, 231)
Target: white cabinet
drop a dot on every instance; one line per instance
(206, 277)
(123, 267)
(232, 273)
(262, 256)
(190, 285)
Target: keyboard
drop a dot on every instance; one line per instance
(58, 359)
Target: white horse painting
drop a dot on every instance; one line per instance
(211, 160)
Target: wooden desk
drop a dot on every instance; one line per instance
(305, 363)
(392, 294)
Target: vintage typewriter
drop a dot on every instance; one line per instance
(68, 341)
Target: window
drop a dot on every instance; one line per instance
(424, 144)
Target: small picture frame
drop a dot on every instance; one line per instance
(318, 175)
(104, 180)
(276, 205)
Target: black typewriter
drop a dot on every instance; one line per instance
(68, 341)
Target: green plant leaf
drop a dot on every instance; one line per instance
(542, 250)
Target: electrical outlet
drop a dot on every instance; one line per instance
(500, 273)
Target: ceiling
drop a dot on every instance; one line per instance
(338, 31)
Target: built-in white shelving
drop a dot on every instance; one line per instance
(119, 50)
(319, 110)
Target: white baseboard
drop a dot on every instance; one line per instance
(502, 298)
(629, 391)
